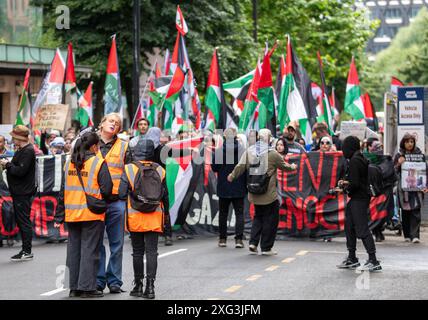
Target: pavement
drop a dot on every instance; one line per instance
(197, 269)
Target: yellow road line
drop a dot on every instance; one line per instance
(301, 253)
(254, 277)
(288, 260)
(272, 268)
(233, 289)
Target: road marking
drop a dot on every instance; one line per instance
(288, 260)
(171, 252)
(254, 277)
(233, 289)
(213, 299)
(51, 293)
(301, 253)
(272, 268)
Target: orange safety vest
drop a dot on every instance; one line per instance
(76, 209)
(115, 160)
(139, 221)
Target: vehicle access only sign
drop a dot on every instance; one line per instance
(411, 106)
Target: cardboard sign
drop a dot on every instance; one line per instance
(51, 116)
(413, 176)
(417, 131)
(352, 128)
(5, 129)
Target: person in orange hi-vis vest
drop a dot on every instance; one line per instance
(116, 154)
(86, 177)
(144, 226)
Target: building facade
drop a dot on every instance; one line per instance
(393, 14)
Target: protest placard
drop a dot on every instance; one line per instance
(51, 116)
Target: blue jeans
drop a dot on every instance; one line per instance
(115, 227)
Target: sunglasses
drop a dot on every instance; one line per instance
(326, 143)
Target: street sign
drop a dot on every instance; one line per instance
(410, 105)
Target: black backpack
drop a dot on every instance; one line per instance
(148, 190)
(376, 184)
(257, 181)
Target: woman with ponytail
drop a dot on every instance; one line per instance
(86, 184)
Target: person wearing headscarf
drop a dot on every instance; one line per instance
(410, 202)
(355, 185)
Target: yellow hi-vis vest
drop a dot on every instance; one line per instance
(76, 209)
(115, 160)
(139, 221)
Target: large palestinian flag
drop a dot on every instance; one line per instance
(179, 172)
(296, 101)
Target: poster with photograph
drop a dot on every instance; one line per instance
(417, 131)
(413, 176)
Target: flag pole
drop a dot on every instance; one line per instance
(142, 96)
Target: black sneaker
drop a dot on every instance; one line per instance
(22, 256)
(168, 241)
(92, 294)
(74, 293)
(253, 249)
(371, 266)
(349, 263)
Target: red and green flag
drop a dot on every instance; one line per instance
(85, 111)
(251, 102)
(23, 116)
(354, 103)
(112, 89)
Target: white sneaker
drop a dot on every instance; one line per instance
(407, 240)
(269, 253)
(416, 240)
(253, 249)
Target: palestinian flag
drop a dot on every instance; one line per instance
(250, 100)
(370, 114)
(176, 85)
(24, 109)
(210, 121)
(395, 83)
(196, 106)
(70, 76)
(180, 23)
(112, 90)
(354, 103)
(327, 114)
(85, 112)
(167, 63)
(179, 172)
(254, 123)
(238, 88)
(334, 103)
(266, 95)
(296, 102)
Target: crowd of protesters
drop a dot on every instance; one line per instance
(106, 168)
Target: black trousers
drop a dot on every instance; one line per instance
(83, 253)
(265, 225)
(167, 228)
(144, 243)
(411, 221)
(22, 209)
(238, 206)
(357, 226)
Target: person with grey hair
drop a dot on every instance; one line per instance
(266, 160)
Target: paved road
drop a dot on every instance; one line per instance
(197, 269)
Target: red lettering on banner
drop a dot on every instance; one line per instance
(296, 211)
(375, 214)
(285, 174)
(2, 227)
(35, 216)
(341, 210)
(314, 224)
(320, 213)
(316, 181)
(336, 157)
